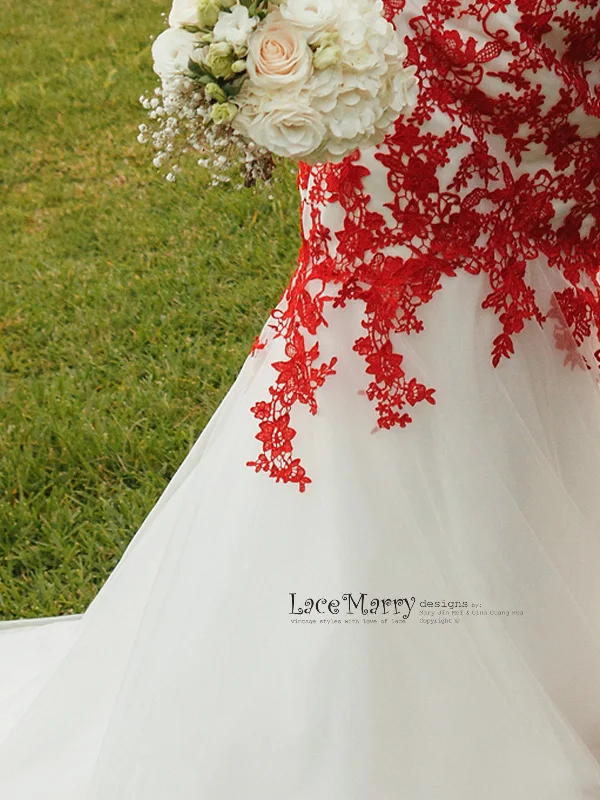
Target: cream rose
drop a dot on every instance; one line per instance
(278, 55)
(287, 126)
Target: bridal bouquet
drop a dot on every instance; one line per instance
(244, 81)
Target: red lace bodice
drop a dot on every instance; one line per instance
(498, 166)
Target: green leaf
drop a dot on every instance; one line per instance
(232, 89)
(197, 69)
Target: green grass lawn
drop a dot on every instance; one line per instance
(127, 304)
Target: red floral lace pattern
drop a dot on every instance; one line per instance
(522, 94)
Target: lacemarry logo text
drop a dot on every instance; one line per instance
(352, 604)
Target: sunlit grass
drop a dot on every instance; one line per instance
(127, 304)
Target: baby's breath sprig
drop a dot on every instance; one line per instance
(180, 123)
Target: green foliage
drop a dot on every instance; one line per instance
(127, 304)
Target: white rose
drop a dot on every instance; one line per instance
(171, 52)
(278, 54)
(312, 15)
(234, 26)
(285, 125)
(183, 12)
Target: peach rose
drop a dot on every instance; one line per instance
(278, 54)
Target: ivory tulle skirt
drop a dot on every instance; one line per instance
(188, 677)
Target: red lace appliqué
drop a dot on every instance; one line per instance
(520, 107)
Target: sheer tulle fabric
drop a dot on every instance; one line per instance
(185, 677)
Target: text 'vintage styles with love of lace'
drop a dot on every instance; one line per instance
(502, 85)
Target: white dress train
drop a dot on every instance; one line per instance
(188, 678)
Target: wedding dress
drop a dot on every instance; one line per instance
(419, 422)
